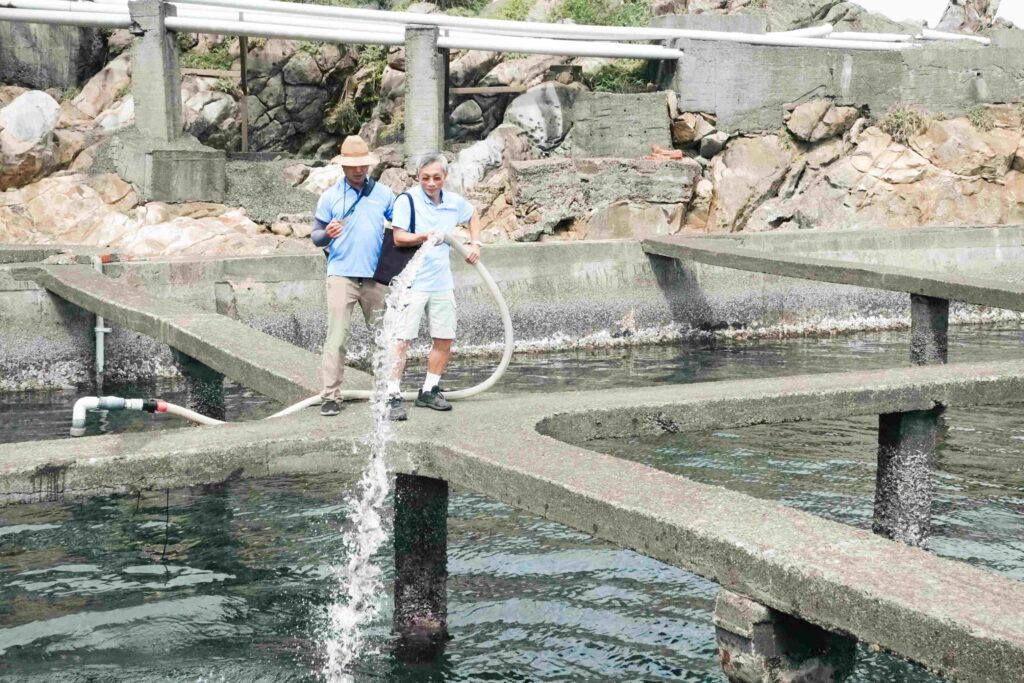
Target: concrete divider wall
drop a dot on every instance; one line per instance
(746, 86)
(561, 295)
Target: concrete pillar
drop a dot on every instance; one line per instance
(421, 566)
(929, 330)
(757, 644)
(156, 81)
(903, 483)
(424, 93)
(204, 386)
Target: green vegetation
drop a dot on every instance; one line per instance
(902, 122)
(606, 12)
(122, 92)
(343, 119)
(69, 94)
(217, 58)
(622, 76)
(515, 10)
(981, 118)
(310, 47)
(226, 86)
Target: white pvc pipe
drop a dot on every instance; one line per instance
(809, 32)
(463, 41)
(101, 329)
(569, 31)
(95, 20)
(876, 37)
(181, 411)
(931, 34)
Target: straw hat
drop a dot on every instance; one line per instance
(355, 152)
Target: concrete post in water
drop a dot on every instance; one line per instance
(903, 483)
(421, 566)
(929, 330)
(424, 92)
(204, 386)
(156, 81)
(757, 644)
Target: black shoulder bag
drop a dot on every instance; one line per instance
(394, 259)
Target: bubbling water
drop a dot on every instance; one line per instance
(357, 585)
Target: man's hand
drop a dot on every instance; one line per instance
(334, 228)
(474, 254)
(435, 238)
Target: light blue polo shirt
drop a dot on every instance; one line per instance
(355, 252)
(435, 274)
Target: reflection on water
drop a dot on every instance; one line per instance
(226, 583)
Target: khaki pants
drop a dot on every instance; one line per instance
(343, 294)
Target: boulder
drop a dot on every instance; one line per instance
(544, 112)
(526, 71)
(505, 144)
(819, 120)
(957, 146)
(119, 115)
(30, 118)
(301, 69)
(471, 66)
(749, 171)
(969, 16)
(270, 57)
(103, 88)
(466, 121)
(710, 145)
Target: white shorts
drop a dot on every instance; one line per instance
(440, 308)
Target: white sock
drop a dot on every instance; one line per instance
(394, 387)
(431, 381)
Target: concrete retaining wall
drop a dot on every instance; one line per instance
(746, 86)
(561, 295)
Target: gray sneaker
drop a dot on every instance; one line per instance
(330, 408)
(433, 399)
(396, 409)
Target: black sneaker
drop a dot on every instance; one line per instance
(433, 399)
(396, 409)
(330, 408)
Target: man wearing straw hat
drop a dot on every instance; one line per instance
(349, 225)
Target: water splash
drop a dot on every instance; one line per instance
(358, 589)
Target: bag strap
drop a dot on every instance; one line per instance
(367, 188)
(412, 213)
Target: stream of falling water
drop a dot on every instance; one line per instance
(358, 592)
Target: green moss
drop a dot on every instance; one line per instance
(311, 47)
(902, 122)
(123, 91)
(981, 118)
(622, 76)
(604, 12)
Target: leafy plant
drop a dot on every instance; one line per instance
(981, 118)
(226, 86)
(516, 10)
(605, 12)
(343, 118)
(622, 76)
(902, 122)
(218, 58)
(69, 94)
(310, 47)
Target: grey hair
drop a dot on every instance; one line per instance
(432, 158)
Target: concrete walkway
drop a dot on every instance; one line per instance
(720, 252)
(944, 614)
(263, 363)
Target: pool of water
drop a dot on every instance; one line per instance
(229, 582)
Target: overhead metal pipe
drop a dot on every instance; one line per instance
(539, 29)
(64, 18)
(874, 37)
(932, 34)
(809, 32)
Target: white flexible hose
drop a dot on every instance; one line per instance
(506, 356)
(115, 403)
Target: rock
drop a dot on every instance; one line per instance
(700, 206)
(749, 171)
(879, 157)
(546, 195)
(8, 93)
(120, 115)
(505, 144)
(544, 112)
(968, 16)
(392, 83)
(820, 119)
(471, 66)
(103, 88)
(319, 179)
(30, 118)
(957, 146)
(70, 143)
(119, 40)
(282, 229)
(526, 71)
(270, 57)
(272, 94)
(628, 220)
(301, 69)
(298, 97)
(825, 153)
(296, 174)
(682, 130)
(710, 145)
(467, 112)
(398, 179)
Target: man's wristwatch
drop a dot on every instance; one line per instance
(475, 243)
